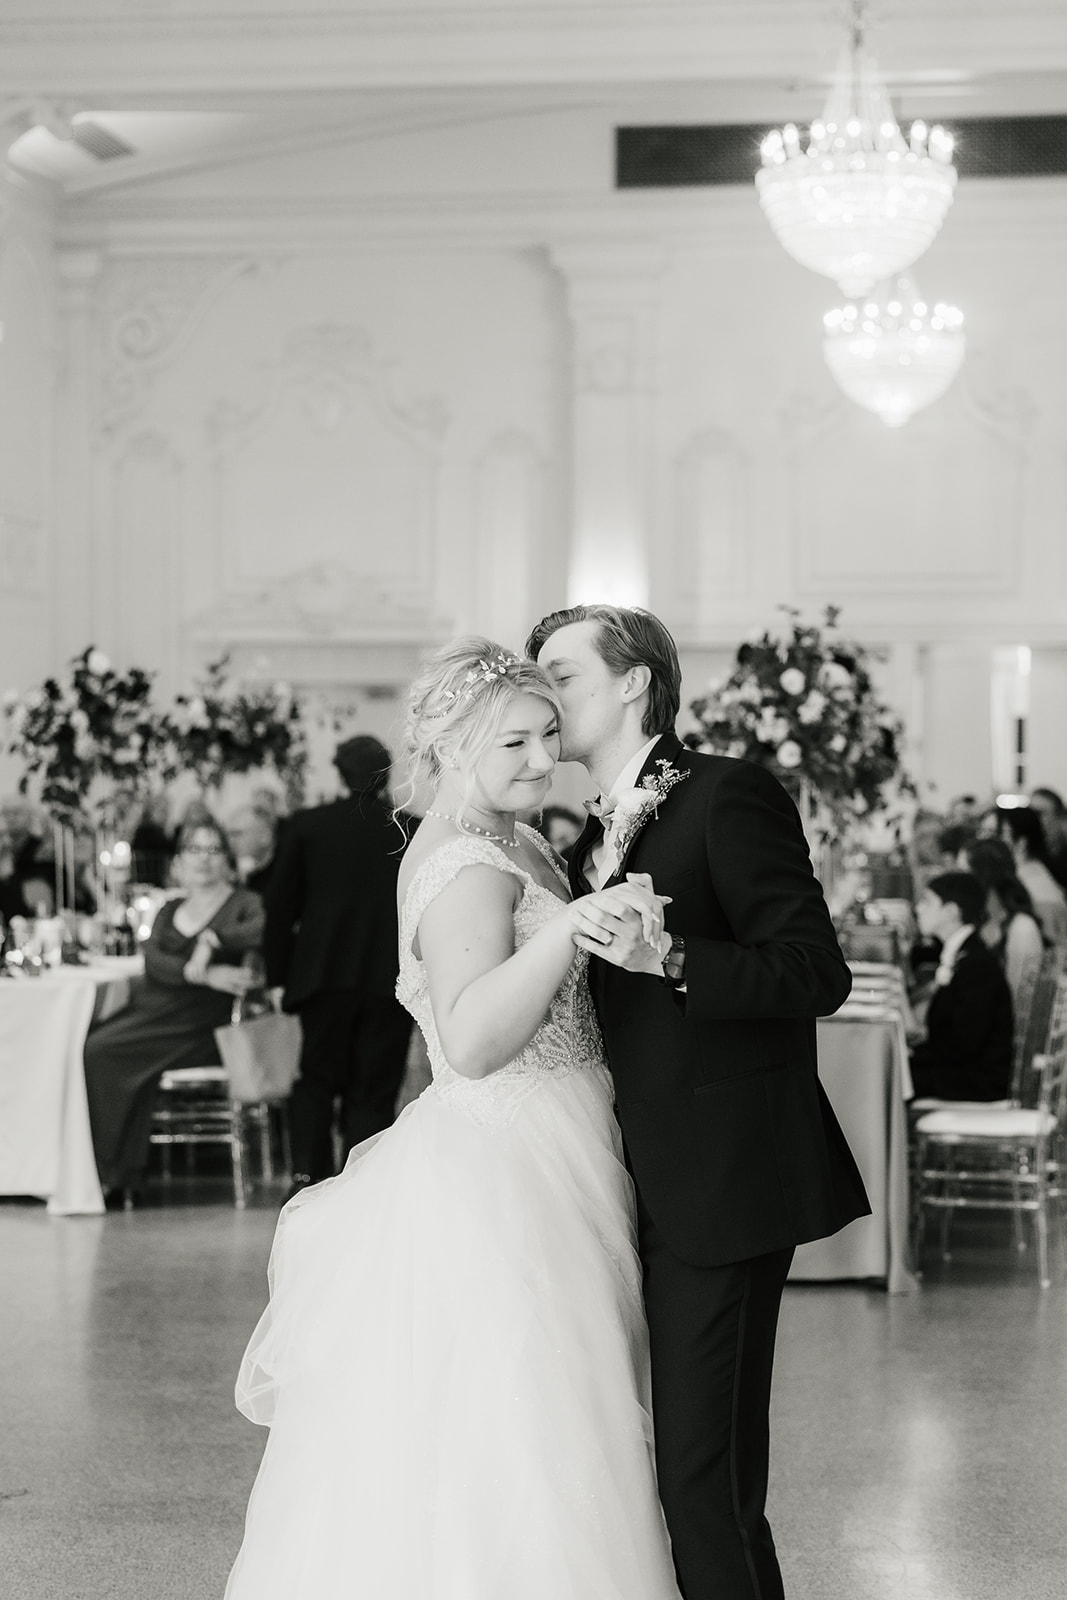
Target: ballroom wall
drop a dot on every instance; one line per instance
(326, 407)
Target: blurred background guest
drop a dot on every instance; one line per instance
(953, 841)
(151, 844)
(1053, 813)
(966, 1054)
(331, 943)
(194, 967)
(1010, 928)
(561, 828)
(10, 887)
(1022, 831)
(253, 832)
(963, 811)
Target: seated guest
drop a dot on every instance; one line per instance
(561, 827)
(253, 831)
(966, 1054)
(192, 973)
(1010, 928)
(1053, 813)
(1022, 831)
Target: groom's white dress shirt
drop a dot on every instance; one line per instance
(601, 861)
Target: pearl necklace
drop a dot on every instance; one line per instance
(472, 827)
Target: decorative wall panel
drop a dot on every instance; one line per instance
(712, 530)
(325, 493)
(933, 509)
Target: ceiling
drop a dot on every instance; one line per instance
(101, 94)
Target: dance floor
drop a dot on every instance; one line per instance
(920, 1441)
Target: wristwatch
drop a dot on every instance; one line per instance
(674, 963)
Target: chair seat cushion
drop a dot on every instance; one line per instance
(984, 1122)
(930, 1104)
(193, 1078)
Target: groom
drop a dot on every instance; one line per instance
(734, 1150)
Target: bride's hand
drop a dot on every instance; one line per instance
(623, 924)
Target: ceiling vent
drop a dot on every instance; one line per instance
(98, 142)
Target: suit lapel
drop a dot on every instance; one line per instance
(665, 749)
(586, 840)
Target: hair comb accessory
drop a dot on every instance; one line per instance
(486, 671)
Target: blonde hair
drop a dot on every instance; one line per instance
(456, 703)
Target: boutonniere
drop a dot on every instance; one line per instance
(634, 807)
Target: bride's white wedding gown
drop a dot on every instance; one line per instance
(453, 1363)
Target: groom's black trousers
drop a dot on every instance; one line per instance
(711, 1332)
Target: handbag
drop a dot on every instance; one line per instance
(260, 1055)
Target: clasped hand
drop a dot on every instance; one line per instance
(623, 924)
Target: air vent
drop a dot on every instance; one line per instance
(673, 157)
(97, 141)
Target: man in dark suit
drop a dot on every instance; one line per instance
(331, 940)
(735, 1152)
(966, 1054)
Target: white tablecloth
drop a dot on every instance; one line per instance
(46, 1146)
(863, 1065)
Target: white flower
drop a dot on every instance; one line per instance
(789, 754)
(811, 709)
(771, 727)
(793, 681)
(79, 721)
(197, 712)
(11, 699)
(834, 676)
(98, 663)
(84, 748)
(838, 743)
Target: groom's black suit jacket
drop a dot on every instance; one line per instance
(730, 1137)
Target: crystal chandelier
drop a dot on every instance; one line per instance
(861, 203)
(894, 354)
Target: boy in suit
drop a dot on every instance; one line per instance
(966, 1054)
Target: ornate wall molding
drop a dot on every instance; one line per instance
(147, 312)
(353, 491)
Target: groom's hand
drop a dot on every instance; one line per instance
(623, 925)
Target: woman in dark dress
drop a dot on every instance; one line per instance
(192, 973)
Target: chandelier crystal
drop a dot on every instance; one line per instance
(894, 354)
(861, 203)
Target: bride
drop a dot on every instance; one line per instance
(453, 1363)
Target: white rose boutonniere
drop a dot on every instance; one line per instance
(634, 807)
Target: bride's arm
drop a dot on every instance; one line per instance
(488, 998)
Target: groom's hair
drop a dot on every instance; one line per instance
(627, 637)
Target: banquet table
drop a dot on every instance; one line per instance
(863, 1065)
(46, 1147)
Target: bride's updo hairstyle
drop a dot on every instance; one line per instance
(456, 703)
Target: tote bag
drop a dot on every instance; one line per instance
(260, 1055)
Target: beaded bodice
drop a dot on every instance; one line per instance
(567, 1040)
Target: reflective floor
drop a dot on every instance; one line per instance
(920, 1442)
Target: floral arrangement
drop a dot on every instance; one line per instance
(92, 734)
(804, 705)
(230, 726)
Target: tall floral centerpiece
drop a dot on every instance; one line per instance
(93, 740)
(803, 704)
(231, 725)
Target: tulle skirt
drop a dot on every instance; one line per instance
(454, 1368)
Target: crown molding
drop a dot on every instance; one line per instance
(181, 45)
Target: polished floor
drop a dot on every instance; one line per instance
(920, 1441)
